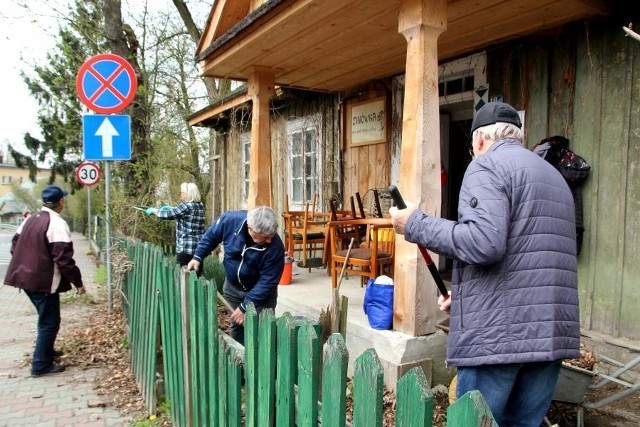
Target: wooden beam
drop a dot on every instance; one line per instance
(261, 89)
(207, 114)
(421, 22)
(224, 15)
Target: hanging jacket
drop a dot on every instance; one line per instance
(514, 285)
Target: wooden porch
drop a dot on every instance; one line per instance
(310, 292)
(336, 46)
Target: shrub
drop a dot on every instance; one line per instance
(214, 271)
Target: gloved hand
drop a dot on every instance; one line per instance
(166, 208)
(150, 211)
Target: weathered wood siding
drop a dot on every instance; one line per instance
(368, 166)
(297, 105)
(582, 81)
(231, 161)
(300, 105)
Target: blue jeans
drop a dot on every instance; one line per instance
(48, 308)
(518, 394)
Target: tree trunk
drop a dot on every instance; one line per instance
(122, 41)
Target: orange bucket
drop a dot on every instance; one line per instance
(287, 273)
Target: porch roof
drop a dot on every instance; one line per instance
(334, 45)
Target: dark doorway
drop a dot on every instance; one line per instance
(459, 159)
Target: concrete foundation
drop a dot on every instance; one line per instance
(310, 292)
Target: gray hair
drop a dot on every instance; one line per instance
(191, 190)
(52, 205)
(500, 130)
(262, 220)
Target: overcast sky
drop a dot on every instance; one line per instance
(23, 40)
(25, 37)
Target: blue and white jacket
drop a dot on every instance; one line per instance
(254, 268)
(514, 285)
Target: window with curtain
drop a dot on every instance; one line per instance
(304, 161)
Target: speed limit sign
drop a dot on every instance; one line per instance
(88, 173)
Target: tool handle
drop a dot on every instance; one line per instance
(397, 197)
(399, 202)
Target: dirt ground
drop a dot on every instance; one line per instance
(91, 337)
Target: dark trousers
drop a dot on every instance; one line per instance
(183, 259)
(235, 295)
(48, 308)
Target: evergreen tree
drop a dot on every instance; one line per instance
(53, 86)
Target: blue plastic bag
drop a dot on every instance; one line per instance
(378, 302)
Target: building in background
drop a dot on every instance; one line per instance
(11, 175)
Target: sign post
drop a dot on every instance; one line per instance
(88, 174)
(106, 84)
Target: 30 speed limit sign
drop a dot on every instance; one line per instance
(88, 173)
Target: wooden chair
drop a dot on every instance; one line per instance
(306, 232)
(292, 220)
(360, 206)
(343, 235)
(346, 232)
(374, 256)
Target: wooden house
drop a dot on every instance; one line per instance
(350, 95)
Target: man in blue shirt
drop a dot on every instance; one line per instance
(253, 260)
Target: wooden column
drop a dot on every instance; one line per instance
(261, 89)
(421, 22)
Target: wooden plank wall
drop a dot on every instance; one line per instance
(299, 105)
(231, 166)
(581, 81)
(367, 166)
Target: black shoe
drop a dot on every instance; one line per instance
(55, 369)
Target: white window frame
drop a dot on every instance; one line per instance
(473, 65)
(245, 143)
(301, 188)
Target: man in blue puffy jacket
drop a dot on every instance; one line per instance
(514, 298)
(253, 260)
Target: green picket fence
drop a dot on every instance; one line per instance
(210, 380)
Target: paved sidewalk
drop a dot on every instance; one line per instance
(66, 399)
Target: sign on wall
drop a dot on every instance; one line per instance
(367, 122)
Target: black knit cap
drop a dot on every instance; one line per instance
(493, 112)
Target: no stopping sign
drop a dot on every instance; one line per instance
(88, 173)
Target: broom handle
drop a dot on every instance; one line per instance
(399, 201)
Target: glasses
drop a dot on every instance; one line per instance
(473, 138)
(260, 238)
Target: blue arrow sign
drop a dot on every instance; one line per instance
(106, 137)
